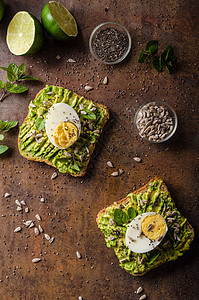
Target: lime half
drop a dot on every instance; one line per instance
(24, 34)
(2, 9)
(58, 21)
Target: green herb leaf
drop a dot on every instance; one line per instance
(15, 88)
(131, 213)
(120, 217)
(2, 85)
(152, 47)
(142, 57)
(156, 64)
(153, 257)
(7, 125)
(8, 70)
(90, 115)
(75, 166)
(23, 78)
(1, 137)
(22, 70)
(39, 124)
(3, 148)
(12, 74)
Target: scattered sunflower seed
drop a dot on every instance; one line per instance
(50, 93)
(32, 105)
(139, 290)
(17, 202)
(114, 174)
(143, 297)
(112, 222)
(36, 231)
(121, 171)
(51, 240)
(23, 202)
(36, 260)
(80, 298)
(83, 112)
(109, 164)
(18, 229)
(123, 259)
(42, 200)
(171, 214)
(58, 57)
(137, 159)
(88, 88)
(37, 216)
(140, 260)
(70, 60)
(78, 254)
(7, 195)
(47, 237)
(27, 223)
(105, 81)
(54, 175)
(111, 238)
(40, 229)
(19, 208)
(32, 224)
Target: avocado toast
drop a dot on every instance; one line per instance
(34, 144)
(153, 197)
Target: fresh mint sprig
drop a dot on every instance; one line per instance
(167, 59)
(4, 127)
(14, 75)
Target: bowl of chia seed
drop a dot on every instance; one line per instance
(110, 43)
(156, 121)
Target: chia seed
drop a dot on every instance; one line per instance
(110, 44)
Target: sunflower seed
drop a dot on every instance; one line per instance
(81, 106)
(112, 222)
(18, 229)
(7, 195)
(178, 238)
(37, 216)
(70, 60)
(88, 151)
(42, 200)
(38, 135)
(140, 260)
(27, 210)
(149, 227)
(19, 208)
(40, 228)
(23, 202)
(105, 81)
(171, 214)
(39, 141)
(17, 202)
(96, 131)
(58, 57)
(93, 108)
(80, 298)
(114, 174)
(176, 225)
(123, 259)
(27, 223)
(78, 254)
(36, 260)
(83, 112)
(88, 88)
(139, 290)
(142, 297)
(32, 224)
(76, 150)
(111, 238)
(176, 230)
(137, 159)
(51, 240)
(109, 164)
(47, 237)
(141, 202)
(54, 175)
(50, 93)
(36, 231)
(170, 220)
(121, 171)
(32, 105)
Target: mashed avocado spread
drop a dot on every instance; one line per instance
(155, 199)
(34, 143)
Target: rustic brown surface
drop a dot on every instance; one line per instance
(72, 204)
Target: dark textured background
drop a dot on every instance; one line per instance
(72, 204)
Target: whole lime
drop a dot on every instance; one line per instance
(58, 21)
(2, 9)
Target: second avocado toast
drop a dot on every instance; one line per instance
(75, 160)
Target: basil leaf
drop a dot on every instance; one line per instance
(142, 57)
(39, 124)
(22, 70)
(120, 217)
(2, 85)
(28, 78)
(3, 148)
(8, 70)
(131, 213)
(7, 125)
(75, 166)
(1, 137)
(152, 47)
(90, 115)
(13, 74)
(156, 64)
(15, 88)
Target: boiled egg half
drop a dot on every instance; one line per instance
(145, 232)
(63, 126)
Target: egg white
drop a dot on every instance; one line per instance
(58, 113)
(136, 241)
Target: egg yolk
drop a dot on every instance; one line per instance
(153, 226)
(65, 134)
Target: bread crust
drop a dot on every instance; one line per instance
(83, 171)
(143, 190)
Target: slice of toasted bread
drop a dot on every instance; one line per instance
(30, 156)
(142, 191)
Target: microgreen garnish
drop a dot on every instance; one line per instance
(166, 59)
(120, 217)
(14, 75)
(89, 114)
(39, 124)
(4, 127)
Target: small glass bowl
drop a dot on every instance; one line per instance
(104, 26)
(172, 114)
